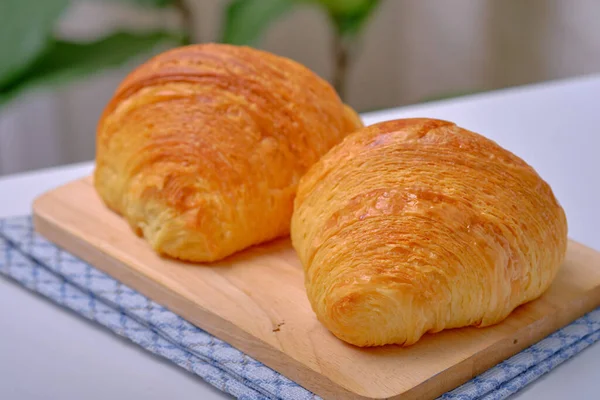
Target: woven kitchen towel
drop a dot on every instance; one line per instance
(35, 263)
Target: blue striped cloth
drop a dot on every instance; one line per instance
(32, 261)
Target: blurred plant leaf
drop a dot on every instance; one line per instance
(246, 20)
(350, 16)
(64, 61)
(342, 6)
(25, 32)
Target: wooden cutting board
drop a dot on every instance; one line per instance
(256, 301)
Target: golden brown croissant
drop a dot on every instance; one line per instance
(201, 148)
(417, 225)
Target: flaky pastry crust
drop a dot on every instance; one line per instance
(417, 225)
(201, 148)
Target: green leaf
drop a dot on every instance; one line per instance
(343, 6)
(349, 21)
(65, 61)
(246, 20)
(25, 32)
(348, 16)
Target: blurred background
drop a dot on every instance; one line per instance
(61, 60)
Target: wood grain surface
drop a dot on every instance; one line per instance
(256, 301)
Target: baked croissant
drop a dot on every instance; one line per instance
(417, 225)
(201, 148)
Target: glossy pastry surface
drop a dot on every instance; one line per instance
(201, 148)
(417, 225)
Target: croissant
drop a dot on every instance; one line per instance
(202, 147)
(417, 225)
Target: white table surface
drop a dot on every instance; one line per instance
(49, 353)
